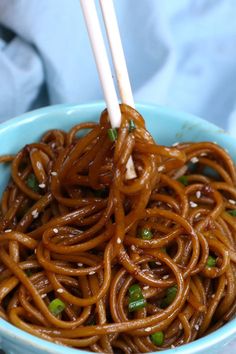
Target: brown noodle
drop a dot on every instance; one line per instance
(76, 238)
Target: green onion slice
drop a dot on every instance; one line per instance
(232, 212)
(56, 306)
(145, 234)
(137, 305)
(211, 262)
(132, 125)
(112, 134)
(183, 180)
(32, 183)
(157, 338)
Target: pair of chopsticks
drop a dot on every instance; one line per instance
(103, 66)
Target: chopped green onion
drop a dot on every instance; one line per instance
(32, 183)
(28, 272)
(56, 306)
(112, 133)
(232, 212)
(183, 180)
(211, 262)
(135, 292)
(157, 338)
(137, 305)
(170, 296)
(145, 234)
(132, 125)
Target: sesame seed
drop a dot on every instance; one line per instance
(118, 240)
(133, 248)
(158, 263)
(180, 326)
(197, 215)
(175, 144)
(231, 201)
(42, 185)
(53, 173)
(203, 154)
(145, 287)
(91, 273)
(43, 296)
(8, 230)
(165, 277)
(55, 230)
(160, 168)
(148, 329)
(196, 327)
(198, 194)
(181, 342)
(192, 204)
(172, 346)
(213, 295)
(35, 251)
(35, 213)
(80, 264)
(194, 159)
(60, 291)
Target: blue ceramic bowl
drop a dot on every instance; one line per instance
(167, 127)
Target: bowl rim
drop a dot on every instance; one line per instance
(12, 333)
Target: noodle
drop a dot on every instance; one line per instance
(92, 260)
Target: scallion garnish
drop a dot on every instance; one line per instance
(112, 134)
(56, 306)
(136, 299)
(211, 262)
(145, 234)
(169, 297)
(137, 305)
(157, 338)
(183, 180)
(32, 183)
(232, 212)
(132, 125)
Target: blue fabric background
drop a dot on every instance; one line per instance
(180, 53)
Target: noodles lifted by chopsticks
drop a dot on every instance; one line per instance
(91, 260)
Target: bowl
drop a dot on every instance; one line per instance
(167, 126)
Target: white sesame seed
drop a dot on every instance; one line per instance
(198, 194)
(158, 263)
(197, 215)
(53, 173)
(181, 342)
(172, 346)
(35, 251)
(203, 154)
(8, 230)
(43, 296)
(165, 277)
(148, 329)
(55, 230)
(194, 159)
(42, 185)
(91, 273)
(231, 201)
(133, 248)
(180, 326)
(175, 144)
(213, 295)
(35, 213)
(80, 264)
(119, 240)
(196, 327)
(192, 204)
(60, 291)
(145, 287)
(160, 168)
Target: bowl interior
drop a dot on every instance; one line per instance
(167, 127)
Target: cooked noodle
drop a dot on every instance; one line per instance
(84, 234)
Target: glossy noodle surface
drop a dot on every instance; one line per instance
(93, 260)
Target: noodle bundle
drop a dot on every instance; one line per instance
(91, 259)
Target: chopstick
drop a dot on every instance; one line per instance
(104, 71)
(118, 57)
